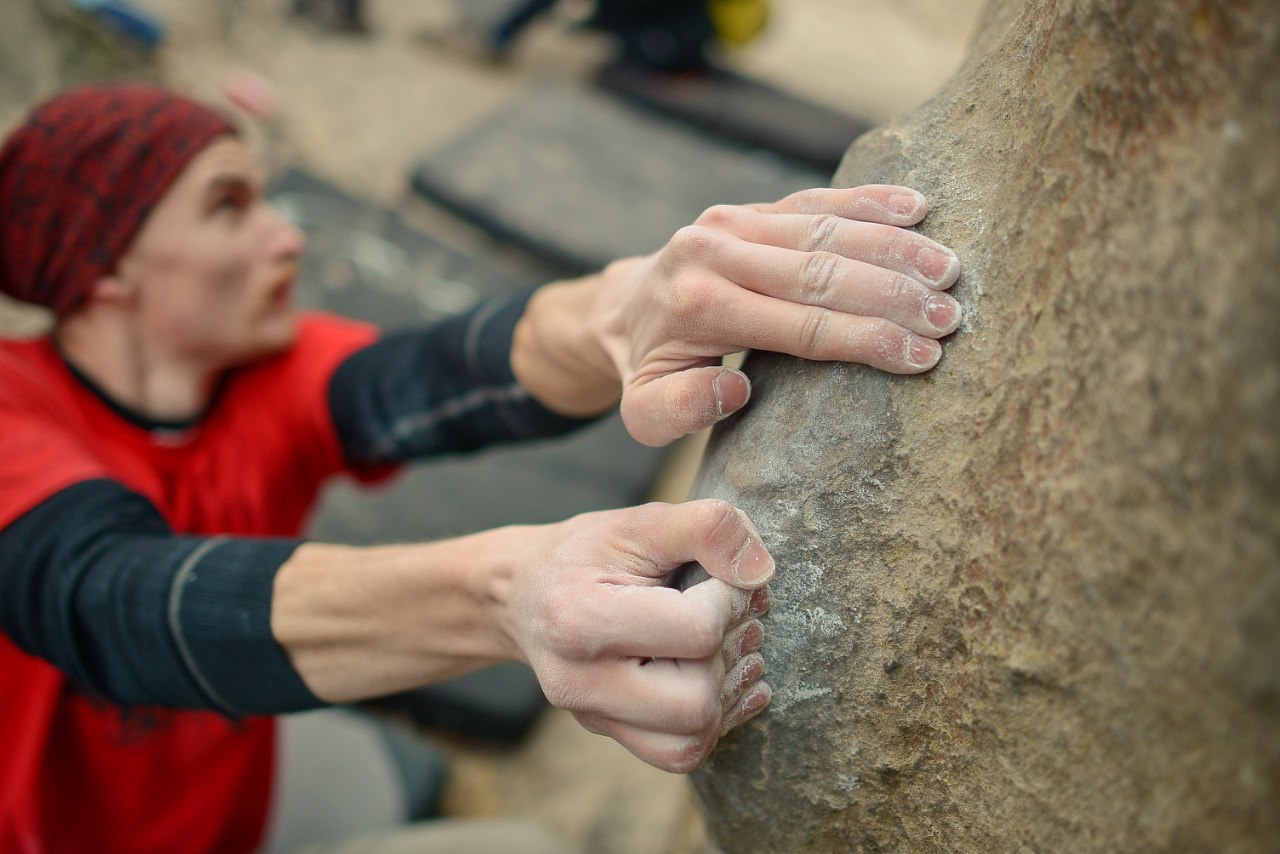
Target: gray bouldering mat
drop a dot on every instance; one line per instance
(583, 179)
(364, 261)
(741, 108)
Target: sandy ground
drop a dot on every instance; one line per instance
(360, 110)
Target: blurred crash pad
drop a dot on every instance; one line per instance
(740, 108)
(583, 179)
(364, 261)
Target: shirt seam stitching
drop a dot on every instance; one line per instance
(407, 426)
(175, 623)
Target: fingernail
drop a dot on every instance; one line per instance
(755, 700)
(753, 564)
(903, 203)
(752, 639)
(935, 265)
(943, 312)
(760, 602)
(732, 390)
(924, 352)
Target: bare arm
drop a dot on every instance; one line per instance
(361, 622)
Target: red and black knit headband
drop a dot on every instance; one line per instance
(78, 179)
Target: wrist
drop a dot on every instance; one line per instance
(490, 582)
(558, 351)
(364, 622)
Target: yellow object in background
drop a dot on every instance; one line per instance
(738, 21)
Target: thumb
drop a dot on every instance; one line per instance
(667, 407)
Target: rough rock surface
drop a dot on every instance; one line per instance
(1031, 600)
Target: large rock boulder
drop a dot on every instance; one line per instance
(1030, 601)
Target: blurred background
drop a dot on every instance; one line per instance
(438, 152)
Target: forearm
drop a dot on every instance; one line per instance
(448, 388)
(364, 622)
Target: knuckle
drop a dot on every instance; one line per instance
(814, 332)
(615, 268)
(555, 693)
(650, 510)
(579, 530)
(903, 291)
(690, 296)
(705, 633)
(701, 712)
(592, 724)
(711, 513)
(720, 524)
(908, 245)
(683, 403)
(556, 616)
(883, 329)
(817, 277)
(718, 217)
(564, 693)
(806, 201)
(882, 343)
(692, 241)
(571, 636)
(675, 397)
(823, 232)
